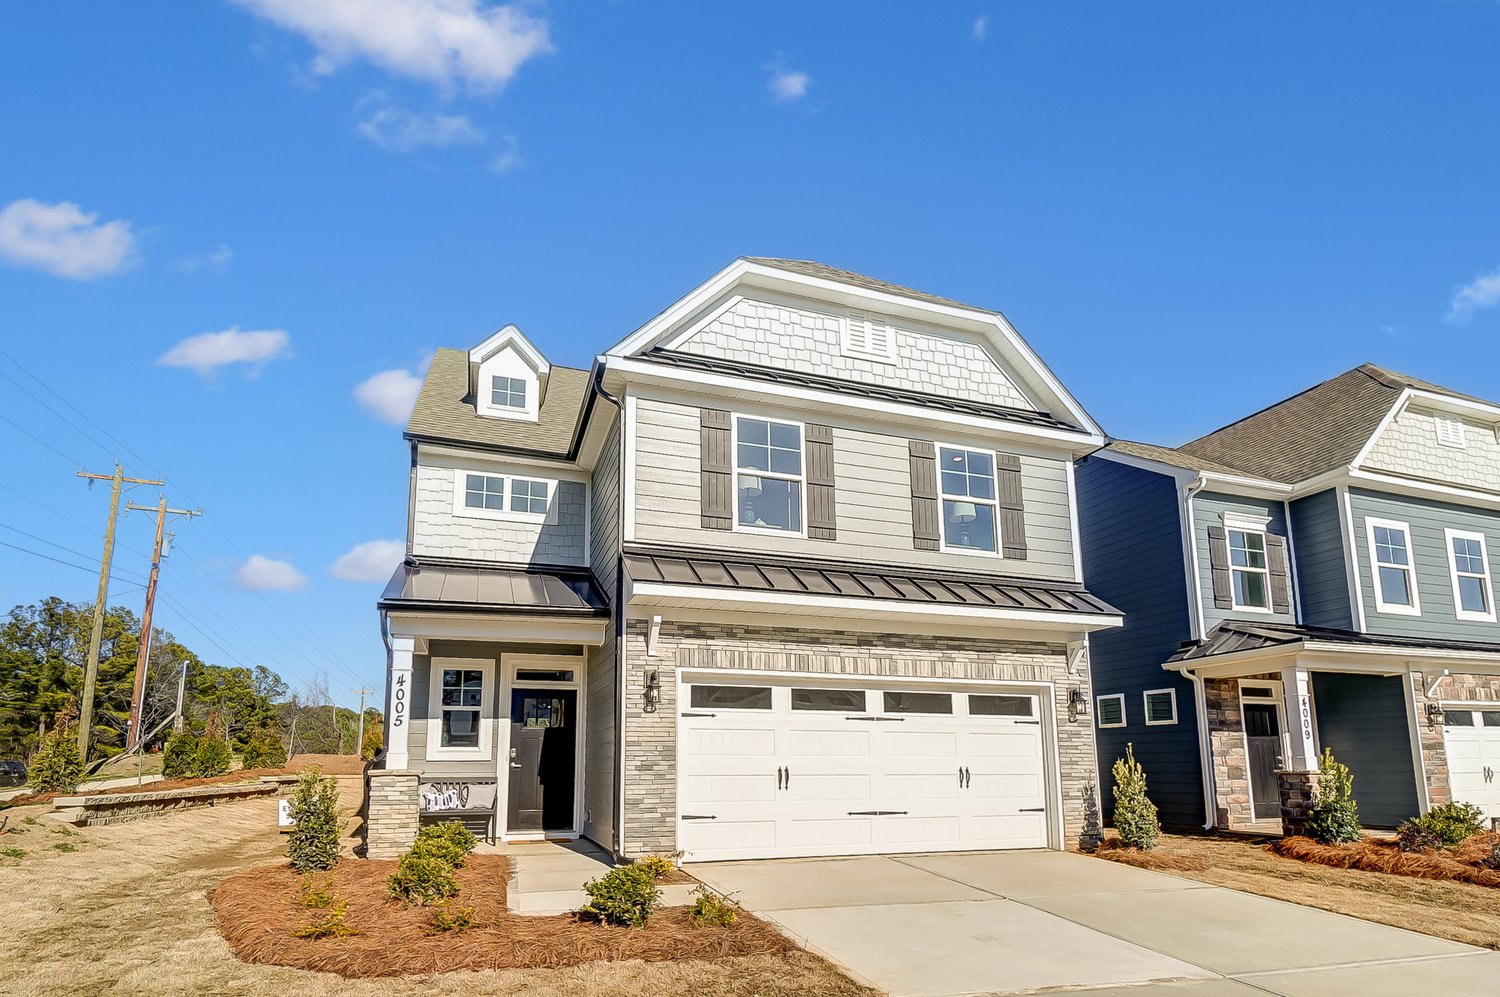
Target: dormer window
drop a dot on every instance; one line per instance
(508, 392)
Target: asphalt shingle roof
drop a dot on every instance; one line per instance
(445, 410)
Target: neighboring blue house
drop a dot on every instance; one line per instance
(1315, 575)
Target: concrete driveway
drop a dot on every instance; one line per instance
(1002, 922)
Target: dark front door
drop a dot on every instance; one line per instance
(1263, 739)
(542, 753)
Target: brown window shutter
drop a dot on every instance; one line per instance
(1218, 564)
(822, 522)
(1281, 589)
(1012, 508)
(717, 470)
(924, 496)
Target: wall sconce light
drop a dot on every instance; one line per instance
(652, 694)
(1077, 705)
(1434, 714)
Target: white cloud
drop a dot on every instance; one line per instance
(62, 240)
(788, 85)
(216, 259)
(981, 27)
(397, 129)
(208, 351)
(263, 574)
(1482, 292)
(508, 159)
(371, 561)
(442, 41)
(390, 395)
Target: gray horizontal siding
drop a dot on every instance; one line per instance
(1132, 558)
(1427, 520)
(872, 501)
(1363, 719)
(1322, 578)
(1208, 510)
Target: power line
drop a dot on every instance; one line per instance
(81, 414)
(57, 560)
(26, 432)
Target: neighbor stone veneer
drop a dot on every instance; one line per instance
(650, 738)
(1299, 795)
(391, 812)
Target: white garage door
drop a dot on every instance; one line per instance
(1472, 738)
(814, 769)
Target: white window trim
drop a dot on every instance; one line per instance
(1146, 706)
(435, 750)
(1381, 606)
(1265, 550)
(1457, 441)
(734, 457)
(846, 340)
(1449, 535)
(943, 544)
(1099, 713)
(460, 486)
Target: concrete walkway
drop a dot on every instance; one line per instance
(548, 876)
(1006, 922)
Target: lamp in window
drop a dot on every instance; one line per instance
(750, 489)
(964, 513)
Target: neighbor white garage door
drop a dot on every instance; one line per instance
(1472, 739)
(769, 770)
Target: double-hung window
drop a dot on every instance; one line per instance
(967, 480)
(1468, 560)
(1391, 564)
(508, 392)
(460, 714)
(1247, 567)
(768, 474)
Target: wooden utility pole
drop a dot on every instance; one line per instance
(143, 655)
(96, 636)
(359, 744)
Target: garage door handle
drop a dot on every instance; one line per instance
(877, 813)
(876, 720)
(788, 772)
(968, 777)
(700, 817)
(700, 714)
(1032, 810)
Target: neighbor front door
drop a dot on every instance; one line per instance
(1263, 742)
(542, 755)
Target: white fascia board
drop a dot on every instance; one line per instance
(1385, 422)
(512, 335)
(563, 470)
(1214, 480)
(496, 626)
(1332, 656)
(905, 415)
(1381, 481)
(652, 593)
(1485, 410)
(1181, 475)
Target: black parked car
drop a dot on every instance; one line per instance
(12, 774)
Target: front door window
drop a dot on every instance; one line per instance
(543, 753)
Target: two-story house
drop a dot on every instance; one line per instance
(1315, 575)
(792, 570)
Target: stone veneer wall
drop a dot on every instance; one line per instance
(1226, 734)
(1462, 688)
(651, 738)
(392, 812)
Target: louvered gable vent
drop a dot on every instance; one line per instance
(869, 337)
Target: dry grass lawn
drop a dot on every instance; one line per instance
(1462, 912)
(128, 912)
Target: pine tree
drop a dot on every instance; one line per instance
(1135, 814)
(57, 767)
(314, 841)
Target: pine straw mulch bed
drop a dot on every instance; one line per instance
(258, 910)
(1161, 861)
(1464, 864)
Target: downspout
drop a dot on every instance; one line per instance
(617, 777)
(1200, 694)
(1205, 754)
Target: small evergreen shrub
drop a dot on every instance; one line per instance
(374, 741)
(710, 908)
(263, 750)
(1335, 819)
(422, 877)
(179, 760)
(660, 866)
(446, 917)
(212, 758)
(449, 841)
(1447, 825)
(626, 896)
(57, 767)
(333, 924)
(316, 893)
(1135, 815)
(313, 845)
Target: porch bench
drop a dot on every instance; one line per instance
(471, 802)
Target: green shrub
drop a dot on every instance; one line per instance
(57, 767)
(626, 896)
(65, 846)
(179, 760)
(374, 741)
(446, 917)
(660, 866)
(212, 757)
(422, 877)
(710, 908)
(333, 924)
(316, 893)
(1335, 819)
(1444, 826)
(13, 853)
(1135, 815)
(263, 750)
(313, 845)
(449, 841)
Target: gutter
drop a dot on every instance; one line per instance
(1205, 752)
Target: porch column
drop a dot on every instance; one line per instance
(398, 725)
(1301, 754)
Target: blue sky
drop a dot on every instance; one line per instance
(1191, 210)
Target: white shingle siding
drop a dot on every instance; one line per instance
(1409, 447)
(777, 335)
(439, 532)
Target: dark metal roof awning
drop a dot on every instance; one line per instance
(451, 586)
(1235, 636)
(785, 577)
